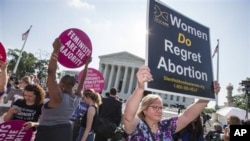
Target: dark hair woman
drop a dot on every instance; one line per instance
(55, 124)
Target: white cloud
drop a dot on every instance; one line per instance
(81, 4)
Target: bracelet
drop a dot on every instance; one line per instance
(55, 55)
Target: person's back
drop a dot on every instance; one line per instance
(60, 114)
(54, 123)
(111, 109)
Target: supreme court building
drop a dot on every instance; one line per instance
(119, 70)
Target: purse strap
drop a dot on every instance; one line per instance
(152, 135)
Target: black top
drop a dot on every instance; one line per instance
(111, 108)
(84, 118)
(27, 112)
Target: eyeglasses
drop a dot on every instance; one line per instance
(156, 108)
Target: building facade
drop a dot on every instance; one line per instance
(119, 71)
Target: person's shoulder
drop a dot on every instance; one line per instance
(120, 102)
(117, 101)
(19, 102)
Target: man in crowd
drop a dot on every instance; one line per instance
(110, 109)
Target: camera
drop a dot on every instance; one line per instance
(214, 136)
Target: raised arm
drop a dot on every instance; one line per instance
(3, 77)
(84, 75)
(130, 119)
(54, 90)
(193, 110)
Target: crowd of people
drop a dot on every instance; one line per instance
(70, 113)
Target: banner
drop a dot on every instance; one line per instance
(76, 48)
(178, 54)
(13, 131)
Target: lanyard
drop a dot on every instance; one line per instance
(152, 135)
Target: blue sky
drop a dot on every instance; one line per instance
(119, 25)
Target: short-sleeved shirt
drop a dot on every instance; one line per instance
(27, 112)
(166, 127)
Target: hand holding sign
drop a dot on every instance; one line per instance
(76, 48)
(13, 131)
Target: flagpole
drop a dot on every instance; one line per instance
(217, 77)
(19, 57)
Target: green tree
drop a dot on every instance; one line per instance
(42, 68)
(26, 65)
(240, 100)
(209, 110)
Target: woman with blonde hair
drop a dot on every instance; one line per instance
(94, 100)
(231, 120)
(149, 124)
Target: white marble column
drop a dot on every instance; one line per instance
(111, 76)
(101, 67)
(130, 89)
(124, 79)
(105, 75)
(118, 75)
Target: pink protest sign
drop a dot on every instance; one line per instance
(2, 53)
(13, 131)
(94, 80)
(76, 48)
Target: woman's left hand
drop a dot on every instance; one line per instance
(27, 125)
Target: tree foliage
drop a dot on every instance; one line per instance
(28, 64)
(41, 66)
(240, 100)
(209, 110)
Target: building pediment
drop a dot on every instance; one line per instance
(121, 57)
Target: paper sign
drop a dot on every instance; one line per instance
(94, 80)
(178, 54)
(2, 53)
(76, 48)
(13, 131)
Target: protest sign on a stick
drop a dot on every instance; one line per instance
(94, 80)
(76, 48)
